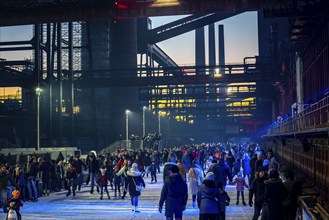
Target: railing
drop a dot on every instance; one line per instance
(315, 116)
(310, 209)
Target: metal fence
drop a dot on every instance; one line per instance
(314, 117)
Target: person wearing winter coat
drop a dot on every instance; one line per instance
(15, 203)
(4, 178)
(93, 166)
(31, 170)
(134, 179)
(222, 172)
(230, 159)
(71, 179)
(246, 166)
(195, 177)
(224, 200)
(44, 168)
(208, 198)
(252, 165)
(240, 184)
(102, 183)
(275, 193)
(174, 194)
(153, 170)
(60, 174)
(20, 180)
(257, 188)
(290, 203)
(236, 168)
(79, 164)
(147, 163)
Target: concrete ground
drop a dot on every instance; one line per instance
(88, 206)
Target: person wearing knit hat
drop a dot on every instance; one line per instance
(133, 185)
(208, 198)
(14, 203)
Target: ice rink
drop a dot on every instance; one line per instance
(89, 206)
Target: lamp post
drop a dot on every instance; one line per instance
(144, 109)
(159, 118)
(38, 91)
(127, 126)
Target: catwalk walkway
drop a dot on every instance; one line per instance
(88, 206)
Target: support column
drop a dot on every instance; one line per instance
(200, 48)
(299, 82)
(212, 45)
(37, 75)
(71, 86)
(221, 47)
(123, 55)
(59, 83)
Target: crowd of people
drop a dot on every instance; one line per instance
(201, 171)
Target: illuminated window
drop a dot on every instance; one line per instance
(10, 93)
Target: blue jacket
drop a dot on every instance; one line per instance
(208, 198)
(174, 193)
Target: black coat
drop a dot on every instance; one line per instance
(174, 193)
(44, 168)
(222, 171)
(257, 188)
(275, 192)
(133, 179)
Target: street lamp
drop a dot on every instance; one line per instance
(38, 91)
(127, 126)
(159, 117)
(144, 109)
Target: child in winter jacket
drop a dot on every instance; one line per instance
(240, 183)
(224, 200)
(15, 203)
(102, 182)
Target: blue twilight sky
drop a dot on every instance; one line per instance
(240, 33)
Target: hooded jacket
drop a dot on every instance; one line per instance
(208, 198)
(174, 193)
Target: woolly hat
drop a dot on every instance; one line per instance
(16, 193)
(210, 176)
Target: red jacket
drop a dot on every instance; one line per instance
(17, 205)
(102, 180)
